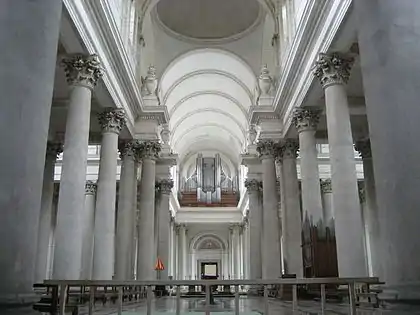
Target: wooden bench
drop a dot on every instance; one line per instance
(49, 301)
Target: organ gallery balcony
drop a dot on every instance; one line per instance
(189, 199)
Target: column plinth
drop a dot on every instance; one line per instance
(82, 74)
(333, 71)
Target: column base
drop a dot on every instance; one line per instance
(20, 299)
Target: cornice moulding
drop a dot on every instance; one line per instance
(97, 29)
(319, 26)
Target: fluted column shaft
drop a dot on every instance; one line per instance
(88, 223)
(125, 214)
(164, 218)
(82, 74)
(306, 121)
(111, 121)
(292, 220)
(333, 71)
(270, 237)
(45, 219)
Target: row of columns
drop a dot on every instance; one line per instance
(85, 227)
(333, 72)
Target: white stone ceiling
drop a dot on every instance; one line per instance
(208, 94)
(208, 19)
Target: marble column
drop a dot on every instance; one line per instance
(146, 258)
(247, 261)
(230, 253)
(164, 218)
(270, 236)
(327, 205)
(371, 210)
(235, 228)
(241, 251)
(177, 252)
(333, 71)
(134, 226)
(125, 213)
(45, 218)
(88, 223)
(292, 219)
(26, 85)
(306, 121)
(388, 33)
(82, 73)
(182, 259)
(111, 121)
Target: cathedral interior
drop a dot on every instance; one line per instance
(197, 156)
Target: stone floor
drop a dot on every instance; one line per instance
(225, 306)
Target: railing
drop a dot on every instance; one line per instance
(145, 288)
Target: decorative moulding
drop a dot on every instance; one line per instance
(205, 41)
(318, 27)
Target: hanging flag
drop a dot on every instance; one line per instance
(159, 265)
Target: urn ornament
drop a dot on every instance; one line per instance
(150, 82)
(264, 80)
(165, 134)
(252, 134)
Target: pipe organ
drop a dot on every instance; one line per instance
(209, 180)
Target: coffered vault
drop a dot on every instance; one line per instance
(208, 93)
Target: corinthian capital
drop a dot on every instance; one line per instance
(253, 185)
(267, 148)
(82, 70)
(90, 188)
(112, 120)
(128, 148)
(306, 118)
(165, 186)
(332, 69)
(363, 147)
(289, 149)
(326, 186)
(54, 149)
(149, 149)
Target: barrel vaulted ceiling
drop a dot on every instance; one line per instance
(208, 93)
